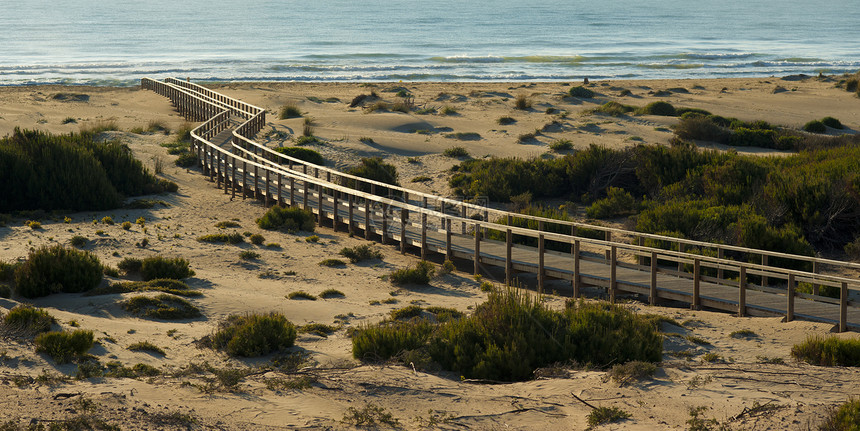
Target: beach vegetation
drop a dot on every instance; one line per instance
(249, 255)
(448, 110)
(815, 126)
(289, 110)
(522, 102)
(605, 415)
(62, 346)
(146, 346)
(95, 174)
(252, 335)
(331, 293)
(226, 224)
(617, 202)
(313, 239)
(506, 120)
(319, 329)
(614, 109)
(560, 145)
(456, 152)
(305, 154)
(420, 179)
(126, 225)
(332, 263)
(301, 294)
(844, 417)
(159, 267)
(658, 108)
(257, 239)
(632, 371)
(420, 273)
(463, 136)
(28, 319)
(833, 123)
(186, 160)
(581, 92)
(166, 285)
(369, 416)
(230, 238)
(33, 224)
(78, 241)
(406, 313)
(375, 169)
(288, 219)
(360, 253)
(828, 351)
(57, 269)
(164, 306)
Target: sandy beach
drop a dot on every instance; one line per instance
(753, 371)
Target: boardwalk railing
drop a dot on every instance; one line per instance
(720, 276)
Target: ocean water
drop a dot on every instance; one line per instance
(118, 42)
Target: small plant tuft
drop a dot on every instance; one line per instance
(418, 274)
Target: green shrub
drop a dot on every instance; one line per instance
(230, 238)
(845, 417)
(631, 371)
(511, 335)
(373, 168)
(561, 145)
(251, 335)
(130, 265)
(78, 241)
(406, 313)
(658, 108)
(226, 224)
(166, 285)
(7, 270)
(301, 294)
(522, 102)
(154, 267)
(289, 111)
(618, 202)
(448, 110)
(605, 415)
(614, 108)
(815, 126)
(107, 220)
(361, 253)
(456, 152)
(829, 351)
(504, 121)
(126, 225)
(57, 269)
(32, 224)
(331, 293)
(289, 219)
(319, 329)
(257, 239)
(389, 338)
(332, 262)
(832, 123)
(28, 319)
(63, 346)
(95, 175)
(249, 255)
(302, 153)
(419, 274)
(701, 129)
(163, 306)
(581, 92)
(146, 346)
(5, 291)
(186, 160)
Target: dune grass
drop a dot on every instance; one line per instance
(251, 335)
(163, 306)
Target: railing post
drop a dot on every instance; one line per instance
(233, 179)
(424, 233)
(509, 264)
(541, 275)
(449, 250)
(384, 222)
(463, 216)
(351, 201)
(680, 264)
(697, 302)
(742, 292)
(244, 179)
(217, 157)
(789, 307)
(843, 307)
(477, 248)
(764, 280)
(613, 280)
(640, 259)
(652, 296)
(815, 270)
(280, 190)
(320, 205)
(256, 182)
(305, 200)
(404, 214)
(607, 236)
(366, 219)
(720, 255)
(268, 187)
(334, 211)
(292, 192)
(577, 278)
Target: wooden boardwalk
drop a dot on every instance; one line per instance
(612, 259)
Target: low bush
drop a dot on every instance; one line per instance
(257, 239)
(406, 313)
(301, 153)
(448, 110)
(618, 202)
(581, 92)
(186, 160)
(289, 219)
(361, 253)
(522, 102)
(561, 145)
(374, 168)
(78, 241)
(332, 262)
(230, 238)
(605, 415)
(289, 111)
(166, 285)
(252, 335)
(631, 371)
(456, 152)
(146, 346)
(319, 329)
(28, 319)
(658, 108)
(57, 269)
(614, 108)
(226, 224)
(845, 417)
(154, 267)
(331, 293)
(389, 338)
(301, 294)
(815, 126)
(418, 274)
(701, 129)
(832, 123)
(829, 351)
(163, 306)
(130, 265)
(504, 121)
(249, 255)
(63, 346)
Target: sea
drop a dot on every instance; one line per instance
(117, 42)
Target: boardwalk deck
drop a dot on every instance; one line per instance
(431, 224)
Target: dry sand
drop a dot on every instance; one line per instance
(800, 393)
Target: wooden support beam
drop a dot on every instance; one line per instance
(697, 301)
(789, 293)
(577, 277)
(843, 307)
(613, 275)
(742, 292)
(541, 267)
(404, 214)
(477, 248)
(652, 293)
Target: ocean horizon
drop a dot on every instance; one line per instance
(89, 43)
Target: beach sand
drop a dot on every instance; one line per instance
(799, 394)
